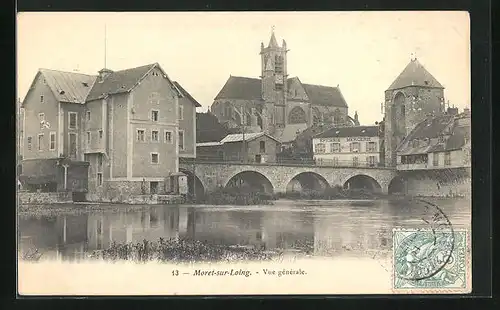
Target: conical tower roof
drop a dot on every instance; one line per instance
(415, 75)
(272, 41)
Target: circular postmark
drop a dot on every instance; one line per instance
(423, 252)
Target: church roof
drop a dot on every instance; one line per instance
(325, 95)
(245, 88)
(415, 74)
(238, 87)
(186, 94)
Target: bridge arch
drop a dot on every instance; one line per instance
(252, 180)
(307, 181)
(196, 188)
(397, 185)
(363, 181)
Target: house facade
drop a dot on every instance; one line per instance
(437, 143)
(348, 147)
(125, 124)
(258, 147)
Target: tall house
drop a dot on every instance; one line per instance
(413, 96)
(129, 127)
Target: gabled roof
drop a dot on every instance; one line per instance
(69, 87)
(325, 95)
(354, 131)
(238, 87)
(290, 132)
(186, 94)
(122, 81)
(414, 74)
(238, 137)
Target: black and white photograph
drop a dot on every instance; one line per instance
(243, 153)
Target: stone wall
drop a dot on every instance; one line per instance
(122, 192)
(434, 188)
(44, 198)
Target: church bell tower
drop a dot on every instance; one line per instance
(274, 86)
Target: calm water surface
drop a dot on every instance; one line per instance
(319, 228)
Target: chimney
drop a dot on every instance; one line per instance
(104, 73)
(452, 111)
(356, 116)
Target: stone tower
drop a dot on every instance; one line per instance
(274, 86)
(413, 96)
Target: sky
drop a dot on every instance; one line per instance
(361, 52)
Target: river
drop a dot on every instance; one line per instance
(311, 228)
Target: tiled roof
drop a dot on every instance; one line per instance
(238, 87)
(414, 74)
(118, 82)
(290, 132)
(354, 131)
(186, 94)
(208, 128)
(325, 95)
(430, 129)
(68, 86)
(248, 136)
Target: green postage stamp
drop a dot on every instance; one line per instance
(431, 261)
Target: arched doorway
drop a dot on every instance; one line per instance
(251, 181)
(397, 186)
(362, 182)
(196, 190)
(307, 182)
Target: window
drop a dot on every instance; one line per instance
(153, 187)
(154, 158)
(320, 148)
(40, 141)
(181, 112)
(262, 145)
(86, 157)
(435, 159)
(41, 117)
(168, 136)
(154, 135)
(355, 161)
(181, 140)
(99, 162)
(99, 179)
(371, 147)
(335, 147)
(354, 147)
(88, 137)
(447, 158)
(371, 160)
(29, 143)
(72, 120)
(41, 98)
(140, 135)
(88, 115)
(154, 115)
(100, 134)
(335, 161)
(415, 143)
(52, 141)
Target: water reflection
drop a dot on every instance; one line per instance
(325, 228)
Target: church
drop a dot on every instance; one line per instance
(277, 104)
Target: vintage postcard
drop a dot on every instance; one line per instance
(243, 153)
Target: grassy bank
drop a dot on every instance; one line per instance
(178, 250)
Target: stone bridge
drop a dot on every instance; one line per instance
(280, 178)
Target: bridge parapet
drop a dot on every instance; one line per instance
(217, 174)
